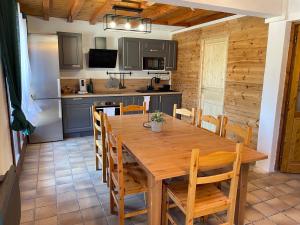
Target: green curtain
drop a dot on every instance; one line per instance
(10, 57)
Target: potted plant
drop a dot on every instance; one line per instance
(157, 121)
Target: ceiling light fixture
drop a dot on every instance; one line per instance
(127, 23)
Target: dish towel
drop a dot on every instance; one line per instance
(110, 111)
(147, 100)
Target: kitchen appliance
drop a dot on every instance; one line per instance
(153, 63)
(111, 108)
(45, 87)
(102, 58)
(82, 86)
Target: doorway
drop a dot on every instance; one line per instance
(213, 67)
(290, 155)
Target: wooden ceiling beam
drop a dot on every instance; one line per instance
(209, 18)
(75, 9)
(46, 6)
(158, 12)
(101, 11)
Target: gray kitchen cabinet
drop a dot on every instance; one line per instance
(130, 54)
(164, 103)
(77, 115)
(70, 50)
(167, 103)
(154, 48)
(171, 55)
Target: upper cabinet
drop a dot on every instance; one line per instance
(70, 50)
(152, 47)
(133, 50)
(171, 55)
(130, 57)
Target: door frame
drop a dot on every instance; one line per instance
(285, 123)
(202, 42)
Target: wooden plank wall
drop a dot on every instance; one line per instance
(245, 67)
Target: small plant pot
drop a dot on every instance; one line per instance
(156, 127)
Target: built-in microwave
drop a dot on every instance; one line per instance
(153, 63)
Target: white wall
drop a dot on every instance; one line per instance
(89, 32)
(6, 159)
(293, 10)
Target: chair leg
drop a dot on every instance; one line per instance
(97, 160)
(121, 210)
(104, 166)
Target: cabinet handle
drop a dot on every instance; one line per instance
(127, 67)
(153, 50)
(76, 99)
(75, 65)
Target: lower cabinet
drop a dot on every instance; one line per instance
(77, 112)
(77, 116)
(165, 103)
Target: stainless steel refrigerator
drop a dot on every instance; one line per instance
(45, 87)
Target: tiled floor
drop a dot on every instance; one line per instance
(59, 185)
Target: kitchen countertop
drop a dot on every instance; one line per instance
(105, 94)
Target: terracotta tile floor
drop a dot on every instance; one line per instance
(59, 185)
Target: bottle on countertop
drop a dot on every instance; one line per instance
(91, 86)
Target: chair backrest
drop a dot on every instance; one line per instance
(244, 133)
(211, 120)
(132, 108)
(115, 151)
(185, 112)
(217, 160)
(98, 124)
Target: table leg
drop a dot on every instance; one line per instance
(154, 200)
(241, 195)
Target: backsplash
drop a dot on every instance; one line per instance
(71, 86)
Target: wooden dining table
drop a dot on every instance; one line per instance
(167, 154)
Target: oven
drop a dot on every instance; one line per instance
(110, 108)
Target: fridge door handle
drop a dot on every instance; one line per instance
(58, 88)
(59, 109)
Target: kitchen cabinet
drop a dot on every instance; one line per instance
(164, 103)
(70, 50)
(77, 115)
(130, 54)
(154, 48)
(171, 55)
(133, 50)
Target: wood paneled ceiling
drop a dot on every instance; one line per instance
(94, 10)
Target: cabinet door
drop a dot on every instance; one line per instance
(77, 118)
(70, 50)
(154, 104)
(132, 59)
(167, 103)
(154, 47)
(171, 56)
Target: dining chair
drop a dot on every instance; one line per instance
(185, 112)
(200, 197)
(216, 122)
(132, 108)
(99, 143)
(123, 180)
(237, 130)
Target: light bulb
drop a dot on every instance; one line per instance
(112, 24)
(141, 27)
(127, 26)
